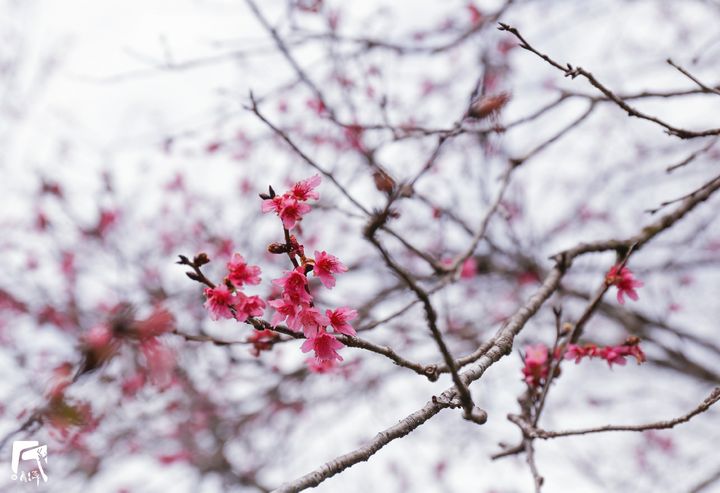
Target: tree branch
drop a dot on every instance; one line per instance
(532, 432)
(574, 72)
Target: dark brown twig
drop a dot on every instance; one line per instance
(574, 72)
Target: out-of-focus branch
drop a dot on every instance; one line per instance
(367, 44)
(562, 132)
(690, 158)
(686, 196)
(482, 229)
(713, 478)
(280, 133)
(284, 136)
(692, 78)
(34, 420)
(281, 45)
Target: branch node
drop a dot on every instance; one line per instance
(476, 415)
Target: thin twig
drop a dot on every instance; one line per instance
(684, 197)
(280, 133)
(530, 458)
(533, 432)
(691, 157)
(482, 229)
(692, 78)
(574, 72)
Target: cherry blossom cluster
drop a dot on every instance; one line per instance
(291, 206)
(227, 300)
(102, 342)
(623, 279)
(537, 365)
(295, 305)
(614, 355)
(538, 361)
(99, 345)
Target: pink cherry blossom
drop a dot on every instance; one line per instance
(325, 266)
(304, 190)
(285, 310)
(131, 385)
(241, 273)
(67, 265)
(288, 208)
(324, 345)
(98, 337)
(317, 105)
(107, 219)
(160, 361)
(536, 364)
(311, 321)
(294, 286)
(248, 306)
(181, 456)
(262, 340)
(575, 352)
(159, 322)
(527, 278)
(664, 443)
(273, 205)
(292, 211)
(476, 16)
(339, 320)
(321, 366)
(614, 355)
(625, 282)
(219, 302)
(469, 269)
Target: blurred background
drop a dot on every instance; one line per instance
(127, 137)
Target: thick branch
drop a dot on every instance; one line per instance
(364, 453)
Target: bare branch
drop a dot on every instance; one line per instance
(431, 316)
(692, 78)
(530, 458)
(532, 432)
(362, 454)
(574, 72)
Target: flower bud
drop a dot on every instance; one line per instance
(201, 259)
(278, 248)
(486, 106)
